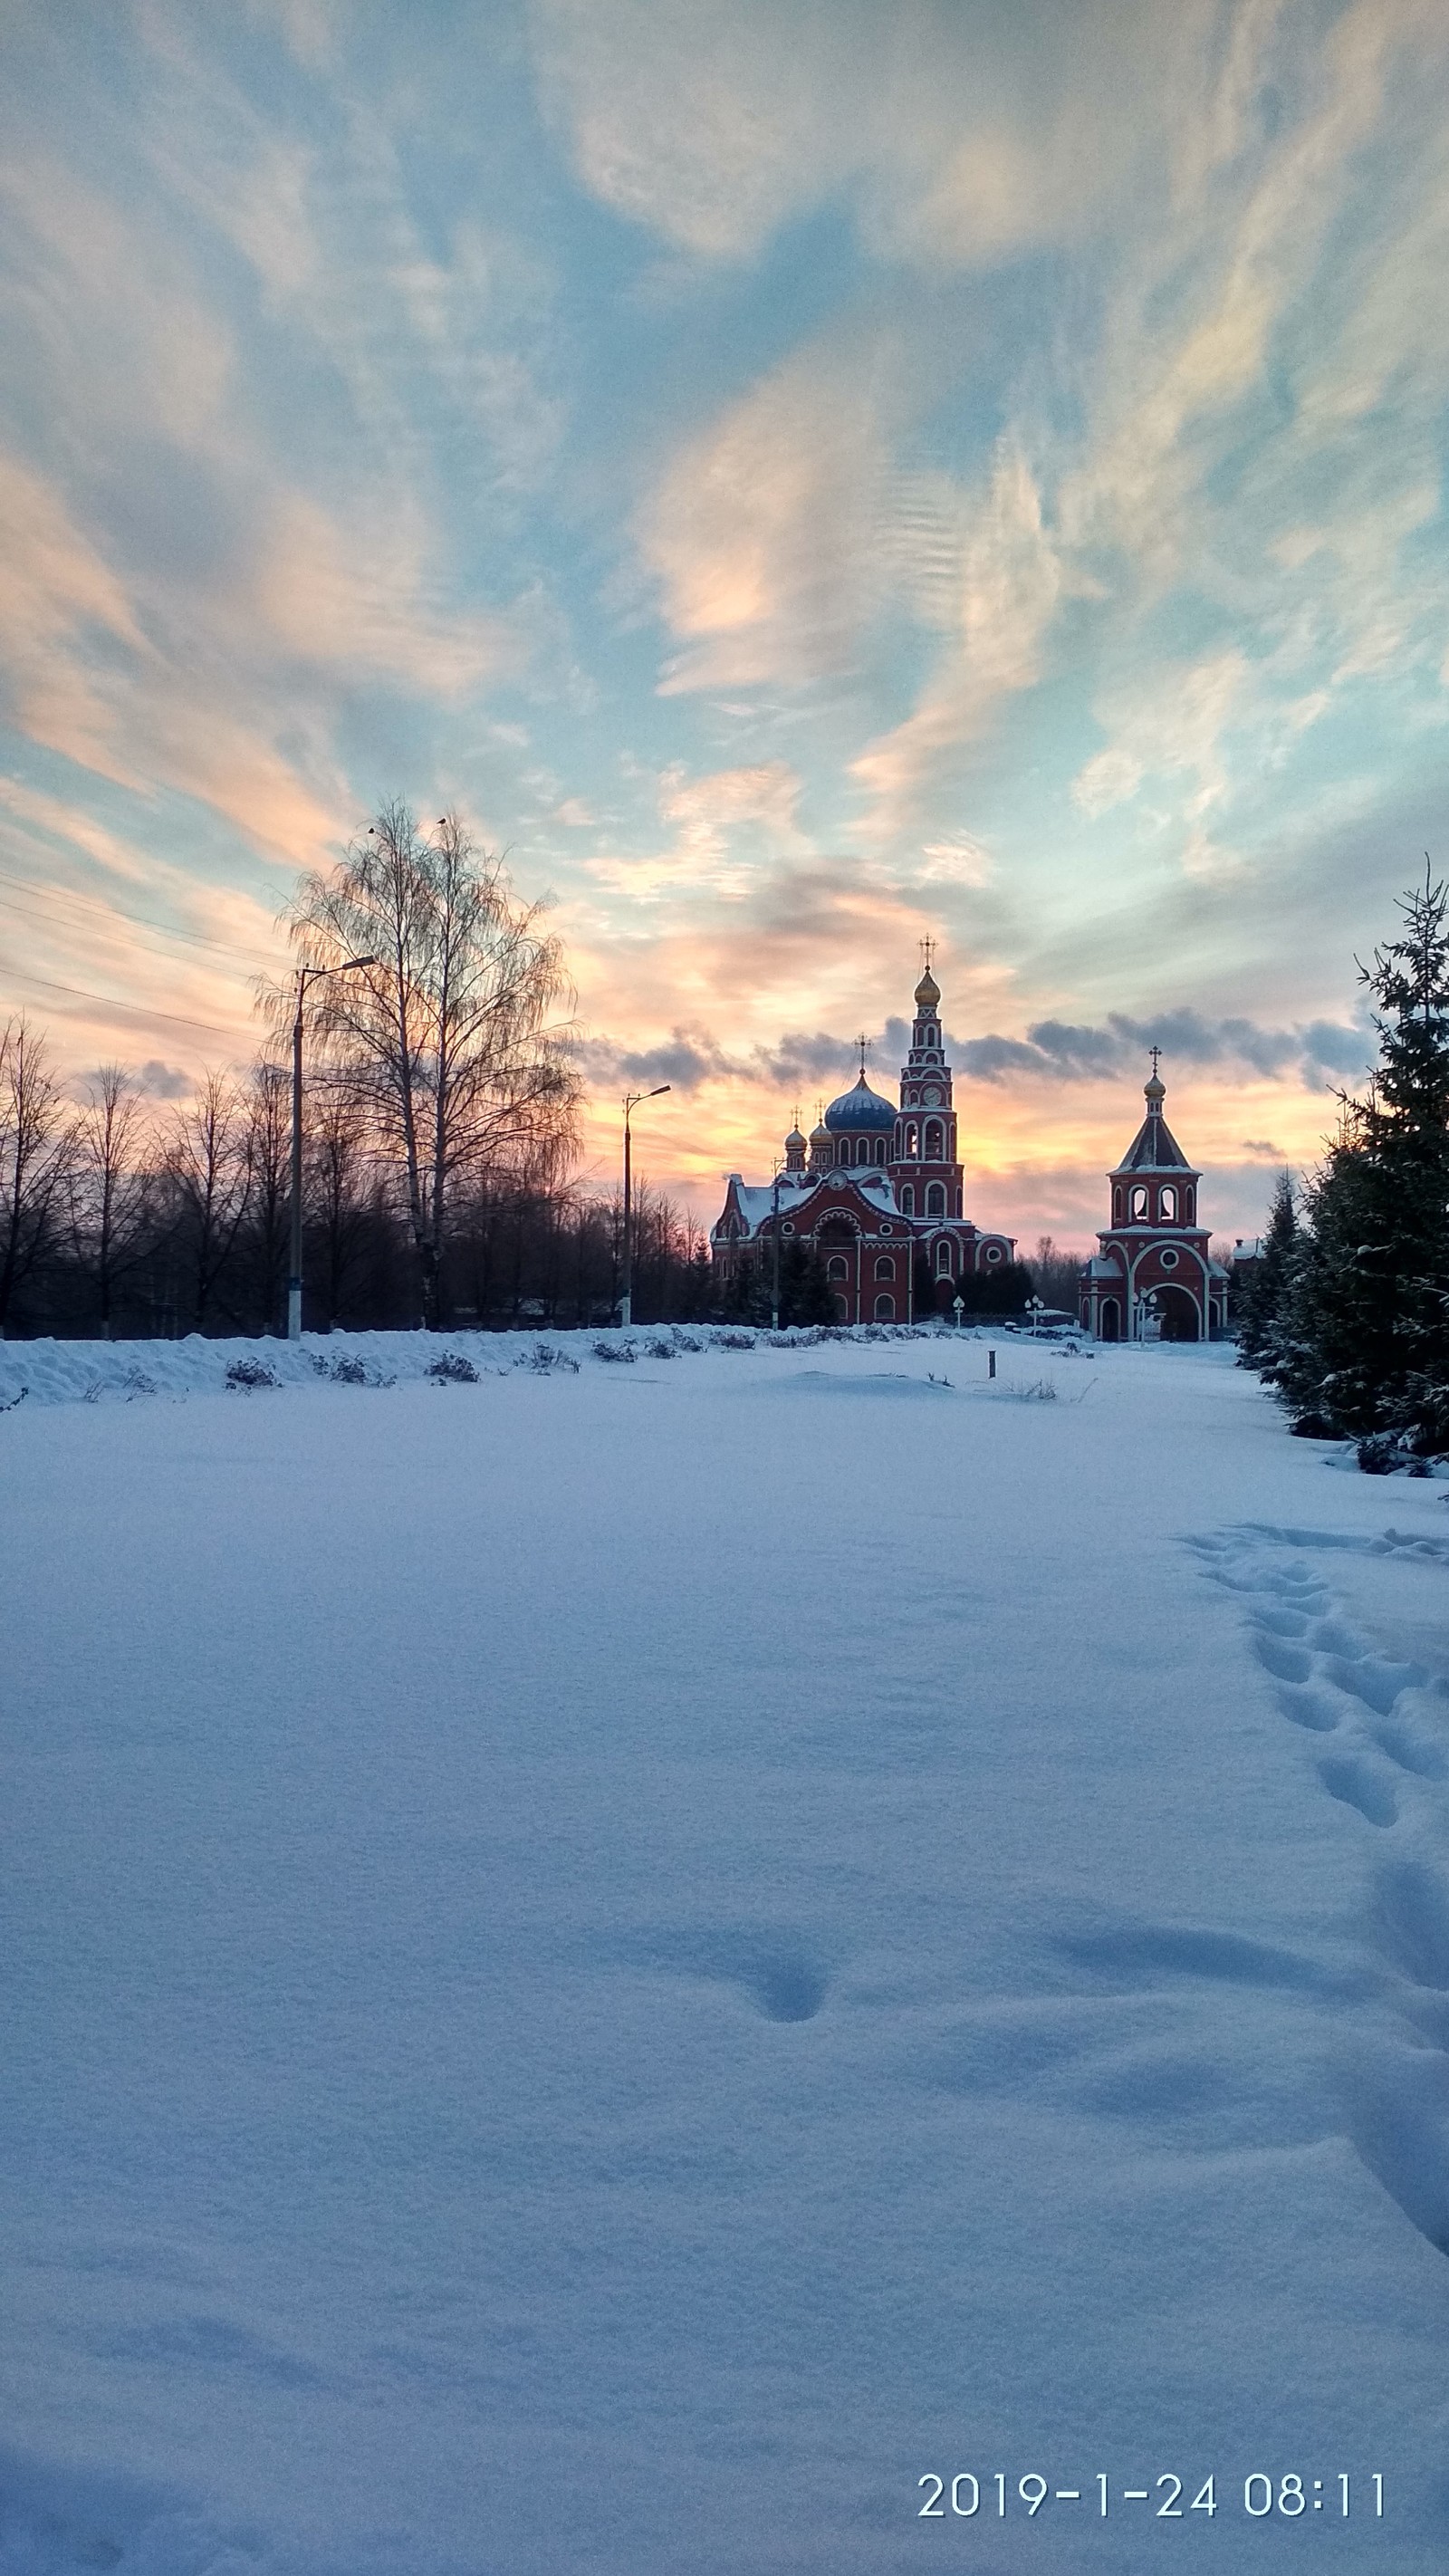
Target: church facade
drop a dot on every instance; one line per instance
(1151, 1278)
(876, 1190)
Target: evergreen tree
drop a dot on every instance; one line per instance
(1365, 1346)
(1260, 1329)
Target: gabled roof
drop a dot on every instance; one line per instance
(1154, 1148)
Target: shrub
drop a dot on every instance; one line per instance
(453, 1370)
(250, 1374)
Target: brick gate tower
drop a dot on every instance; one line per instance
(1152, 1279)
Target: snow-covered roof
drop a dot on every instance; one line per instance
(756, 1200)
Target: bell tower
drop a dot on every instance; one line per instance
(1152, 1278)
(924, 1164)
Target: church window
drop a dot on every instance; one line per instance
(880, 1149)
(838, 1267)
(885, 1310)
(1116, 1207)
(913, 1139)
(1168, 1260)
(993, 1252)
(943, 1257)
(1189, 1211)
(908, 1200)
(885, 1268)
(935, 1200)
(1167, 1204)
(842, 1310)
(1137, 1213)
(933, 1141)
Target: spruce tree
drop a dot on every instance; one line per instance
(1365, 1347)
(1267, 1295)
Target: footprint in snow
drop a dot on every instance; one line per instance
(1390, 1721)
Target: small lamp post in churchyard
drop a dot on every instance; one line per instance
(631, 1103)
(958, 1308)
(1036, 1308)
(305, 975)
(775, 1259)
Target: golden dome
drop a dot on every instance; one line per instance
(928, 992)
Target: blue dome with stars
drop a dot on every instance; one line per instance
(860, 1112)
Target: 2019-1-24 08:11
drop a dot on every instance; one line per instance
(966, 2495)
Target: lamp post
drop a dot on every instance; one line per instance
(775, 1258)
(305, 975)
(631, 1103)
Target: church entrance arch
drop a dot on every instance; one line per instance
(1111, 1326)
(1180, 1319)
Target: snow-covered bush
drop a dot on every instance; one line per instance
(453, 1370)
(734, 1341)
(544, 1359)
(249, 1374)
(614, 1351)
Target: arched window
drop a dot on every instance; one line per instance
(1189, 1207)
(1137, 1213)
(936, 1200)
(908, 1199)
(943, 1257)
(933, 1140)
(880, 1149)
(1111, 1320)
(837, 1267)
(958, 1202)
(1167, 1204)
(842, 1310)
(1117, 1206)
(885, 1268)
(913, 1140)
(885, 1310)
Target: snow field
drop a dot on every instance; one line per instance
(605, 1970)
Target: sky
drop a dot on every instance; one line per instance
(795, 478)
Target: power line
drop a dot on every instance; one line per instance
(128, 1010)
(116, 912)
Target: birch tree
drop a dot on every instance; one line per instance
(450, 1035)
(37, 1140)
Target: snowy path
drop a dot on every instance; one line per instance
(603, 1974)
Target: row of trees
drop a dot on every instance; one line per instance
(1349, 1315)
(125, 1217)
(441, 1130)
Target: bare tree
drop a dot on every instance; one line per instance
(448, 1034)
(268, 1110)
(37, 1139)
(110, 1191)
(210, 1168)
(337, 1173)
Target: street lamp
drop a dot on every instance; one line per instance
(305, 975)
(631, 1103)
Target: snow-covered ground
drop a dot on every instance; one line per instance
(607, 1971)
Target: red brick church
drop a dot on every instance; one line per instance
(876, 1190)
